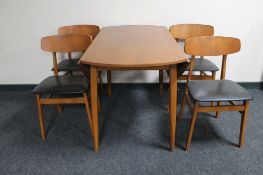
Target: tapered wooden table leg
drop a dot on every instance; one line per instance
(94, 107)
(172, 106)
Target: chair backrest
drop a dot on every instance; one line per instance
(91, 30)
(64, 44)
(186, 31)
(211, 46)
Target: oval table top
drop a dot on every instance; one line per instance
(133, 46)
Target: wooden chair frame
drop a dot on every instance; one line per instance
(69, 43)
(195, 107)
(182, 32)
(58, 101)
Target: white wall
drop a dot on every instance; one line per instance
(24, 22)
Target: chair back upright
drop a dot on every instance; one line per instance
(211, 46)
(64, 44)
(186, 31)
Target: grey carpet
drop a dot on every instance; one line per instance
(134, 137)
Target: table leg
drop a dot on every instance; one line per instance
(94, 106)
(173, 105)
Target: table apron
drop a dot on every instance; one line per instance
(168, 67)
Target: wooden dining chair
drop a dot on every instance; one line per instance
(181, 32)
(51, 90)
(229, 95)
(70, 65)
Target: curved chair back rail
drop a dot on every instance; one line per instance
(212, 46)
(186, 31)
(65, 43)
(91, 30)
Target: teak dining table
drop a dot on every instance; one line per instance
(133, 47)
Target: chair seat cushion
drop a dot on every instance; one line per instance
(62, 85)
(68, 65)
(202, 64)
(217, 90)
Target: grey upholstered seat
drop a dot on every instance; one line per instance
(68, 65)
(62, 84)
(202, 64)
(217, 90)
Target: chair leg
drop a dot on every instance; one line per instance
(86, 101)
(180, 116)
(192, 125)
(59, 108)
(243, 125)
(100, 81)
(109, 83)
(41, 119)
(213, 75)
(161, 82)
(213, 78)
(218, 113)
(213, 103)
